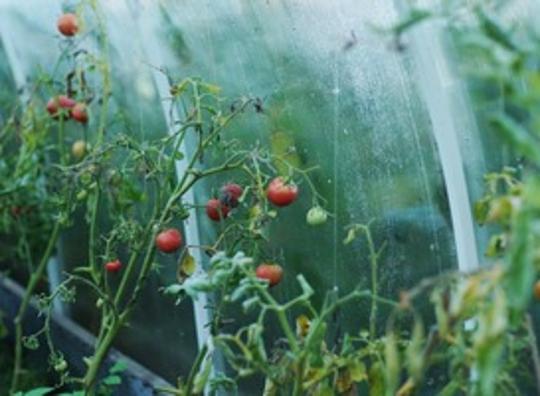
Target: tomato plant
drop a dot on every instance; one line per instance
(480, 329)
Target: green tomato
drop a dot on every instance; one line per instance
(81, 195)
(316, 216)
(60, 366)
(78, 149)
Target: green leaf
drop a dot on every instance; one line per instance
(414, 351)
(357, 370)
(481, 209)
(306, 288)
(202, 377)
(352, 234)
(520, 271)
(39, 391)
(413, 19)
(118, 367)
(314, 342)
(211, 88)
(376, 380)
(517, 136)
(496, 32)
(392, 365)
(112, 380)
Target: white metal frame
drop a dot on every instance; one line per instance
(433, 78)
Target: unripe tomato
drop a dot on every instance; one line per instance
(281, 194)
(81, 195)
(216, 210)
(60, 366)
(113, 266)
(78, 149)
(537, 290)
(62, 102)
(270, 272)
(316, 216)
(169, 240)
(79, 113)
(231, 193)
(68, 24)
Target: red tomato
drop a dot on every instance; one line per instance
(270, 272)
(113, 266)
(57, 103)
(169, 240)
(281, 194)
(68, 24)
(79, 114)
(231, 193)
(216, 210)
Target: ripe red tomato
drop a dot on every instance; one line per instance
(62, 102)
(68, 24)
(169, 240)
(281, 194)
(113, 266)
(537, 290)
(270, 272)
(79, 114)
(216, 210)
(231, 193)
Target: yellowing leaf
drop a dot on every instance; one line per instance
(282, 147)
(187, 266)
(344, 381)
(302, 325)
(211, 88)
(357, 370)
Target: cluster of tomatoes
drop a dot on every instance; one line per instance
(62, 106)
(170, 240)
(278, 193)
